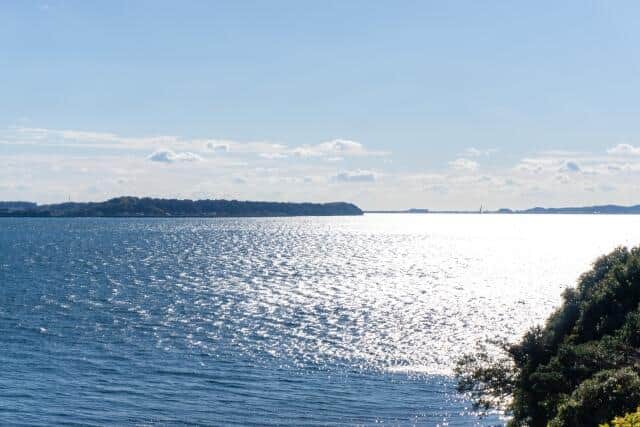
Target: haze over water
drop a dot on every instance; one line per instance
(272, 321)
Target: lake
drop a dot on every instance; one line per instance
(283, 321)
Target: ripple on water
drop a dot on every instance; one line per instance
(346, 320)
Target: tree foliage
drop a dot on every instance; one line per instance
(581, 366)
(148, 207)
(631, 419)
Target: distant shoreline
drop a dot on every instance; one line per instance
(583, 210)
(497, 213)
(134, 207)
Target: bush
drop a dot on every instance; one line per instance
(600, 398)
(629, 420)
(580, 367)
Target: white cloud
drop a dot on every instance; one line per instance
(477, 152)
(625, 150)
(169, 156)
(218, 147)
(355, 176)
(334, 149)
(343, 147)
(440, 189)
(571, 166)
(86, 138)
(464, 164)
(538, 165)
(273, 156)
(305, 152)
(551, 162)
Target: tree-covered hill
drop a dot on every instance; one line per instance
(148, 207)
(582, 367)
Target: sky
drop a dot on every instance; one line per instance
(390, 105)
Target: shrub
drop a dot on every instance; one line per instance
(580, 367)
(629, 420)
(600, 398)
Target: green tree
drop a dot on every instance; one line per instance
(581, 367)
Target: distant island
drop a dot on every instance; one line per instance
(599, 209)
(150, 207)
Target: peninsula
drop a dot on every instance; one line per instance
(149, 207)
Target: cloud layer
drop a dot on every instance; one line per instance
(464, 164)
(48, 165)
(625, 150)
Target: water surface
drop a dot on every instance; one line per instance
(352, 320)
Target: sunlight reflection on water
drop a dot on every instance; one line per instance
(376, 296)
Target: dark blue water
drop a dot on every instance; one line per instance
(214, 322)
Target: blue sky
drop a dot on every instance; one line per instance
(386, 104)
